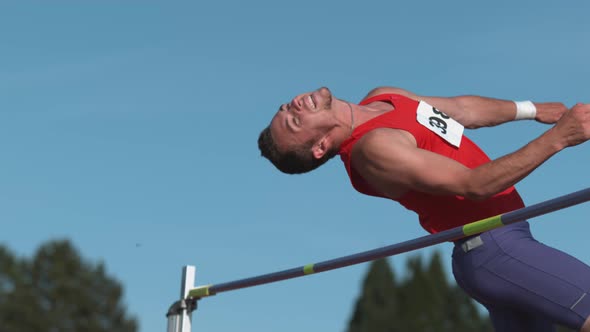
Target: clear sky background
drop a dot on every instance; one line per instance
(130, 128)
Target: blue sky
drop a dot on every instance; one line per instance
(130, 128)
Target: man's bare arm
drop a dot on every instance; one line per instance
(390, 161)
(475, 111)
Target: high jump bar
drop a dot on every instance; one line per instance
(452, 234)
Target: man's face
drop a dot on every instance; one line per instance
(307, 117)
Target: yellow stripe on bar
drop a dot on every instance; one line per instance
(200, 291)
(308, 269)
(482, 225)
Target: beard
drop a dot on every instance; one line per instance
(326, 97)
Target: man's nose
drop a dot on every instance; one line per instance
(295, 105)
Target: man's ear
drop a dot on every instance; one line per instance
(321, 147)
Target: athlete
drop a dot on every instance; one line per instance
(411, 149)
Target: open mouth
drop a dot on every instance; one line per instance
(311, 102)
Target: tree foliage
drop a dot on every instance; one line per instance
(425, 301)
(373, 310)
(56, 290)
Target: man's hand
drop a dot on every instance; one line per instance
(549, 112)
(573, 127)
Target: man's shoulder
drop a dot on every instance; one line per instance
(376, 139)
(389, 90)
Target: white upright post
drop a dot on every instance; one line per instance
(180, 314)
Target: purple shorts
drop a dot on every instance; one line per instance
(524, 284)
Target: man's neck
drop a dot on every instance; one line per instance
(350, 116)
(364, 113)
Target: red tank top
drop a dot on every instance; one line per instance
(436, 212)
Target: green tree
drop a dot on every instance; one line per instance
(376, 307)
(56, 290)
(432, 303)
(424, 301)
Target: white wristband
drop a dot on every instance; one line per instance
(525, 110)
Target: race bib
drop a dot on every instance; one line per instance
(440, 123)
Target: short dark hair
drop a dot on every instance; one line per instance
(295, 160)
